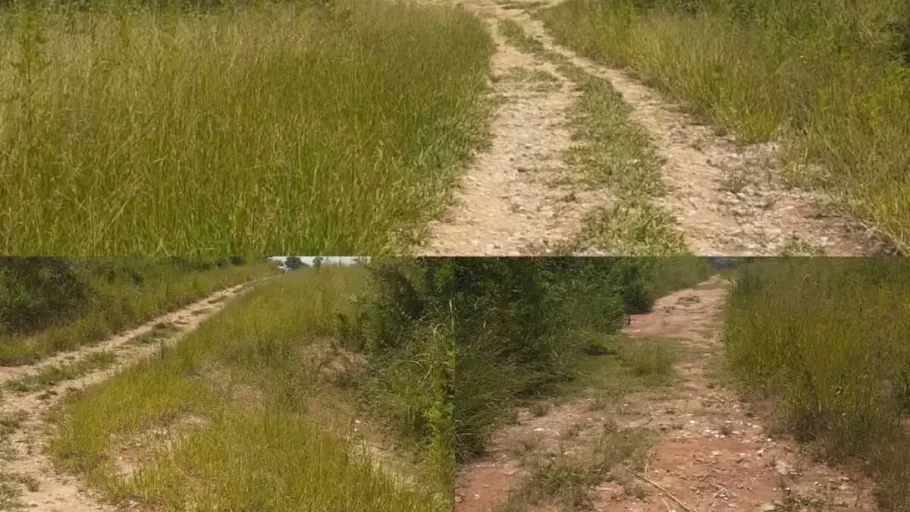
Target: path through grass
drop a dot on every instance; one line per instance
(49, 305)
(241, 392)
(828, 79)
(826, 340)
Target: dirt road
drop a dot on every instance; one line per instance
(513, 197)
(23, 463)
(522, 196)
(709, 449)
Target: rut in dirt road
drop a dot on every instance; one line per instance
(707, 449)
(724, 199)
(43, 487)
(517, 198)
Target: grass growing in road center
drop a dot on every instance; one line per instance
(827, 78)
(610, 151)
(265, 129)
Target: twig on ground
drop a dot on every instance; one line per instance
(659, 487)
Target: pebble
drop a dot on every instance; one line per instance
(783, 468)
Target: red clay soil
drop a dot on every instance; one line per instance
(712, 451)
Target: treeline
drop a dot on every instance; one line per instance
(49, 304)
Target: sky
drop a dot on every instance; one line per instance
(335, 260)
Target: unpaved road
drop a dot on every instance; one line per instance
(712, 452)
(24, 452)
(512, 200)
(726, 200)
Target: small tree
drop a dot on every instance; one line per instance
(317, 262)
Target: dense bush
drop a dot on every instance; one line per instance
(36, 291)
(511, 328)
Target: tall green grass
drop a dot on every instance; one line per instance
(827, 341)
(828, 78)
(49, 305)
(269, 128)
(246, 381)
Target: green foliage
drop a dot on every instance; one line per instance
(336, 129)
(36, 291)
(518, 326)
(827, 339)
(826, 78)
(53, 304)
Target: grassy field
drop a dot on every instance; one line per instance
(827, 78)
(826, 340)
(254, 127)
(260, 386)
(49, 305)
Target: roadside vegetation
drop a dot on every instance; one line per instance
(270, 389)
(48, 305)
(611, 152)
(532, 335)
(514, 328)
(230, 127)
(827, 79)
(826, 342)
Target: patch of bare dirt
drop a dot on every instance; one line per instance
(727, 199)
(48, 489)
(130, 454)
(514, 198)
(711, 450)
(336, 365)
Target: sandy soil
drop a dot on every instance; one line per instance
(511, 201)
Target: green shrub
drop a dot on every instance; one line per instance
(518, 325)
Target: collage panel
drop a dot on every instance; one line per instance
(454, 128)
(687, 384)
(601, 255)
(467, 384)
